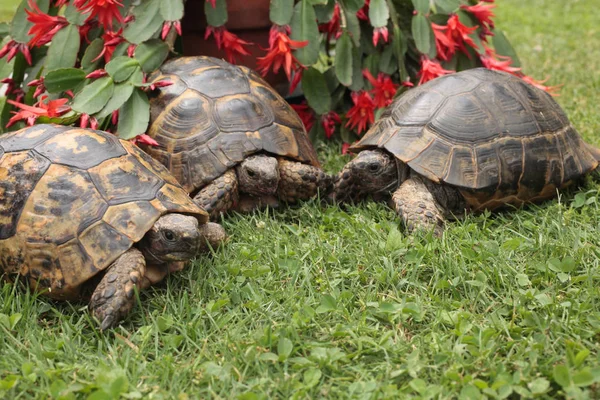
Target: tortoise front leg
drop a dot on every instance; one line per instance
(113, 297)
(416, 205)
(300, 181)
(220, 195)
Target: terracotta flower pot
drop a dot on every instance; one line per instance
(248, 19)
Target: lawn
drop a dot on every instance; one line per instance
(319, 302)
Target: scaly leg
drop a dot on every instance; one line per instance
(220, 195)
(113, 297)
(301, 181)
(415, 204)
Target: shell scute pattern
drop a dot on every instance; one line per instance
(488, 133)
(58, 224)
(237, 114)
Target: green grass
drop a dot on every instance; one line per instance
(318, 302)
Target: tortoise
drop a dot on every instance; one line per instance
(229, 138)
(470, 141)
(85, 215)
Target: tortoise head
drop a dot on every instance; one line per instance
(258, 175)
(173, 237)
(371, 172)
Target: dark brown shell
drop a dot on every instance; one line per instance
(214, 115)
(489, 133)
(73, 200)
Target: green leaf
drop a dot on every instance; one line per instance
(357, 76)
(421, 30)
(539, 385)
(20, 26)
(281, 11)
(171, 10)
(63, 79)
(312, 376)
(352, 5)
(315, 91)
(284, 348)
(328, 303)
(151, 54)
(304, 27)
(446, 6)
(353, 26)
(137, 78)
(74, 16)
(379, 13)
(216, 16)
(147, 22)
(94, 96)
(121, 94)
(134, 115)
(324, 12)
(504, 48)
(583, 377)
(562, 376)
(63, 49)
(92, 52)
(422, 6)
(343, 59)
(121, 68)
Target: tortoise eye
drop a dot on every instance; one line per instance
(374, 167)
(251, 173)
(169, 235)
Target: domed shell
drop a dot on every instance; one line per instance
(490, 133)
(214, 115)
(73, 200)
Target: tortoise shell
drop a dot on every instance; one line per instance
(73, 200)
(499, 139)
(214, 115)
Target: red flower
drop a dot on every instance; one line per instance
(332, 28)
(329, 122)
(144, 139)
(167, 27)
(232, 44)
(346, 148)
(86, 121)
(496, 62)
(280, 52)
(11, 48)
(431, 69)
(383, 90)
(12, 89)
(383, 32)
(44, 26)
(111, 41)
(53, 108)
(456, 36)
(363, 13)
(306, 114)
(539, 84)
(213, 3)
(362, 113)
(159, 83)
(484, 14)
(39, 86)
(298, 69)
(105, 10)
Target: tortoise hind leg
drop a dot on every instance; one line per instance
(423, 204)
(113, 297)
(301, 181)
(220, 195)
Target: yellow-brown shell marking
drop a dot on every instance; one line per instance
(73, 200)
(216, 114)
